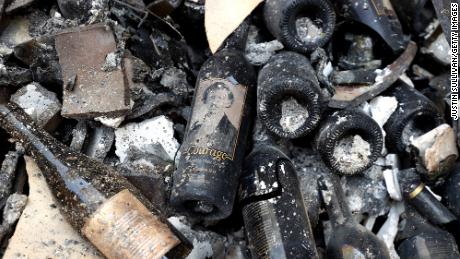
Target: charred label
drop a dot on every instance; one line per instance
(383, 7)
(124, 228)
(349, 252)
(216, 119)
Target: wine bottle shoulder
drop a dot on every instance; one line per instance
(228, 63)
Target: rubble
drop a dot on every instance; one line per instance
(153, 136)
(120, 82)
(259, 53)
(79, 57)
(98, 142)
(42, 105)
(206, 244)
(8, 171)
(437, 150)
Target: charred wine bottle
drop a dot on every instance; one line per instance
(206, 179)
(429, 245)
(414, 116)
(420, 239)
(451, 193)
(349, 141)
(348, 238)
(426, 203)
(97, 201)
(378, 15)
(301, 25)
(288, 95)
(275, 218)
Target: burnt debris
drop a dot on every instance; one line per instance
(318, 129)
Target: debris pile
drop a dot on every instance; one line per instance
(228, 129)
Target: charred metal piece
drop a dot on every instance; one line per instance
(415, 116)
(301, 25)
(378, 15)
(348, 96)
(276, 221)
(289, 98)
(343, 131)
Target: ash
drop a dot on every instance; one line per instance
(307, 30)
(352, 153)
(293, 115)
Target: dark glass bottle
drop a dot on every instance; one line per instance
(289, 101)
(301, 25)
(418, 239)
(349, 141)
(206, 179)
(414, 116)
(426, 203)
(96, 200)
(378, 15)
(348, 238)
(451, 192)
(275, 218)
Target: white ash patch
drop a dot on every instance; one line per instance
(206, 244)
(110, 122)
(382, 107)
(153, 136)
(352, 153)
(112, 62)
(307, 30)
(328, 69)
(293, 115)
(42, 105)
(381, 75)
(259, 53)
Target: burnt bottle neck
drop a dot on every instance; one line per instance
(49, 153)
(337, 209)
(237, 40)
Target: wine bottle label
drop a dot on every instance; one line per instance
(383, 7)
(124, 228)
(216, 119)
(349, 252)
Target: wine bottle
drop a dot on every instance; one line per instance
(96, 200)
(414, 116)
(426, 203)
(450, 191)
(348, 238)
(206, 179)
(301, 25)
(349, 141)
(289, 102)
(378, 15)
(275, 218)
(420, 239)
